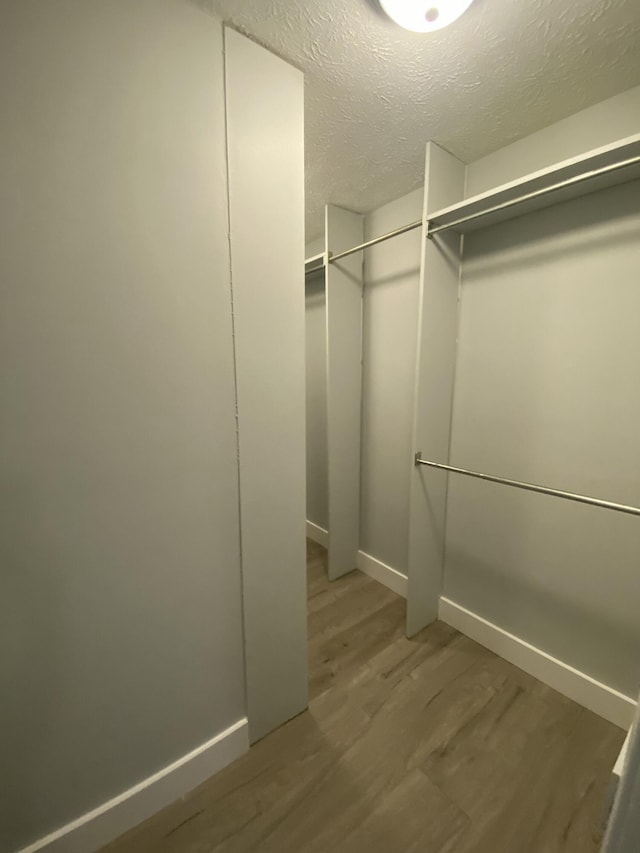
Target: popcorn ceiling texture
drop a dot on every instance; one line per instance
(376, 93)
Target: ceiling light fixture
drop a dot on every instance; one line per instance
(424, 16)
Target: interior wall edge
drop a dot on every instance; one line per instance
(576, 685)
(390, 302)
(121, 813)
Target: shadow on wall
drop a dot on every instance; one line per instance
(396, 278)
(375, 6)
(29, 619)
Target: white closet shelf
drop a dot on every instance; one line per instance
(316, 262)
(596, 170)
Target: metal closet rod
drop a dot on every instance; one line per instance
(396, 233)
(530, 487)
(577, 179)
(496, 208)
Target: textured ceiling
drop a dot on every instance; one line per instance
(376, 93)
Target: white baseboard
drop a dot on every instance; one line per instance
(597, 697)
(382, 573)
(317, 534)
(101, 825)
(376, 569)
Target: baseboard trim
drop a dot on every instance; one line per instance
(382, 573)
(597, 697)
(317, 534)
(105, 823)
(376, 569)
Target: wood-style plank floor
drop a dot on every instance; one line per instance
(429, 745)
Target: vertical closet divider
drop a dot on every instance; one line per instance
(437, 325)
(343, 283)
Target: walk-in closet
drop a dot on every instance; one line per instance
(522, 513)
(524, 420)
(320, 426)
(530, 290)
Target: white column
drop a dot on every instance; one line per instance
(437, 318)
(265, 115)
(344, 230)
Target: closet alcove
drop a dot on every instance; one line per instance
(525, 364)
(333, 297)
(527, 371)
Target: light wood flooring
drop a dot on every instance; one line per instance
(429, 745)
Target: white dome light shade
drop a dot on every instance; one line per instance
(424, 16)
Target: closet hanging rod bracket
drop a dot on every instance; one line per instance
(529, 487)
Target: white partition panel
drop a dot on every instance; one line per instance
(437, 318)
(391, 288)
(266, 192)
(344, 230)
(316, 375)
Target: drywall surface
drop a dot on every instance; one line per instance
(265, 115)
(547, 392)
(316, 391)
(390, 324)
(120, 623)
(593, 127)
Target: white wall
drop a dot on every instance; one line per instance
(390, 323)
(121, 626)
(593, 127)
(546, 391)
